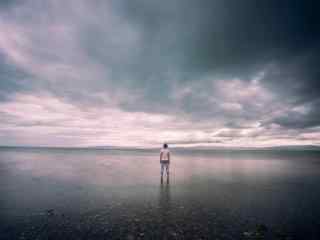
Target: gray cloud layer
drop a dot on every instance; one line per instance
(225, 65)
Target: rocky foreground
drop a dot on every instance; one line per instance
(122, 221)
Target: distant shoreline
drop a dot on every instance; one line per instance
(200, 148)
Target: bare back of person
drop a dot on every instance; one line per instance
(165, 159)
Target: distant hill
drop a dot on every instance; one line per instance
(205, 148)
(296, 147)
(280, 148)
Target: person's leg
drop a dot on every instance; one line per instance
(167, 169)
(162, 168)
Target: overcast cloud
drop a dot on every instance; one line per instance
(138, 73)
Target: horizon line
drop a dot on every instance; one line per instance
(289, 147)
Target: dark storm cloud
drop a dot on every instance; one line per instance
(298, 120)
(225, 35)
(12, 79)
(223, 63)
(230, 39)
(4, 4)
(296, 81)
(296, 77)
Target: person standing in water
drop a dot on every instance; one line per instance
(165, 159)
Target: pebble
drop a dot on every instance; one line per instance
(247, 234)
(50, 212)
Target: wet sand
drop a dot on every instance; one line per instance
(113, 194)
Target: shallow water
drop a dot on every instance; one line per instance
(118, 194)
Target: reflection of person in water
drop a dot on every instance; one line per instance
(165, 202)
(165, 159)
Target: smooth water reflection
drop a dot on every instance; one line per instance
(116, 168)
(208, 188)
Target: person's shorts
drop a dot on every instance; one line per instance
(164, 161)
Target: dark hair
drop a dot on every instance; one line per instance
(165, 145)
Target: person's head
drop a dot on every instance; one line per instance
(165, 145)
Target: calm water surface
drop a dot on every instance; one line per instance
(117, 194)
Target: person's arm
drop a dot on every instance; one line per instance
(161, 155)
(169, 157)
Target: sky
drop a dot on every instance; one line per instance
(142, 72)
